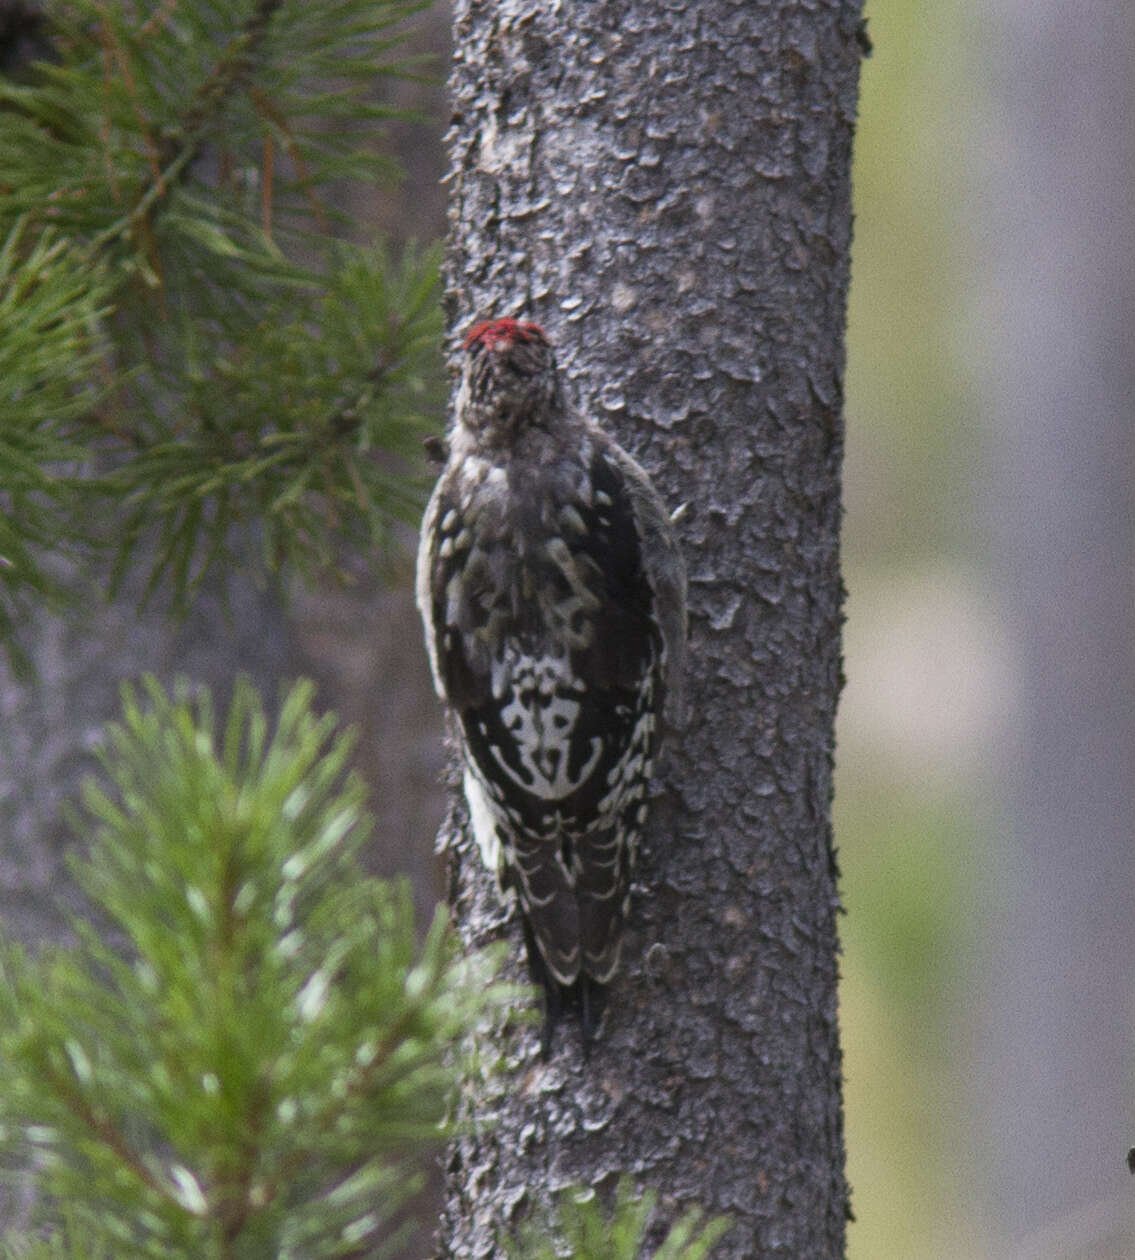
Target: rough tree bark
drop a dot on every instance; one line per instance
(666, 189)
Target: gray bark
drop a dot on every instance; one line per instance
(666, 189)
(1060, 1047)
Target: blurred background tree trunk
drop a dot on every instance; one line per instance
(49, 725)
(1061, 386)
(667, 192)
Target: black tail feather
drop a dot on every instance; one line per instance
(586, 999)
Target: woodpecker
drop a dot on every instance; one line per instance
(553, 597)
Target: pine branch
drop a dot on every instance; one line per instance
(51, 305)
(233, 416)
(312, 430)
(183, 144)
(238, 1079)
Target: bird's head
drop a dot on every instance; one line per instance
(509, 379)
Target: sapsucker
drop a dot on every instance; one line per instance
(553, 597)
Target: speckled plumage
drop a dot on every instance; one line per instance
(553, 597)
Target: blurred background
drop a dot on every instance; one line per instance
(985, 800)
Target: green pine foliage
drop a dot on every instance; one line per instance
(583, 1230)
(206, 372)
(237, 1074)
(50, 311)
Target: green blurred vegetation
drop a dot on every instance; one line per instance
(909, 829)
(907, 397)
(243, 1069)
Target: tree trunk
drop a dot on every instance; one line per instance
(666, 190)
